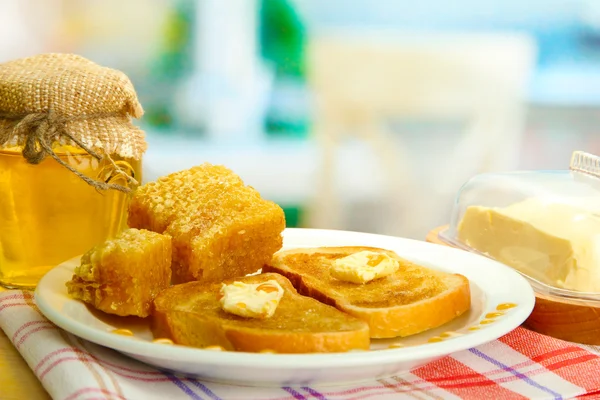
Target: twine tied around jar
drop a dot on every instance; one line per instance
(43, 129)
(64, 99)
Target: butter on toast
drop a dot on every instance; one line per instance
(411, 300)
(191, 314)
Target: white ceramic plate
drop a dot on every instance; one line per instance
(492, 286)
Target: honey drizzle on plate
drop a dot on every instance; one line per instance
(489, 318)
(505, 306)
(214, 348)
(163, 341)
(435, 339)
(121, 331)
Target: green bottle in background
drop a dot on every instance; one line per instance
(282, 41)
(282, 37)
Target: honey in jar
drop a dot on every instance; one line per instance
(50, 215)
(69, 156)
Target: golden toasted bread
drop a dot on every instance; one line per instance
(411, 300)
(123, 275)
(191, 314)
(220, 227)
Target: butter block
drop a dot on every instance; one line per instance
(552, 242)
(251, 300)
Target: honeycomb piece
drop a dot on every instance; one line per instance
(220, 227)
(123, 275)
(156, 204)
(221, 241)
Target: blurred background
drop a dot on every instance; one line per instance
(365, 115)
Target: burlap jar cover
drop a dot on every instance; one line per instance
(54, 99)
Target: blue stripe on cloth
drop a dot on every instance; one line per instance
(516, 373)
(295, 394)
(205, 389)
(314, 393)
(179, 383)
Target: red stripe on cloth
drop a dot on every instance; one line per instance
(478, 387)
(376, 393)
(382, 390)
(33, 331)
(282, 398)
(54, 364)
(428, 394)
(580, 370)
(110, 368)
(25, 326)
(422, 386)
(371, 388)
(395, 389)
(371, 394)
(49, 356)
(589, 396)
(571, 362)
(566, 369)
(555, 353)
(96, 398)
(19, 296)
(80, 343)
(77, 351)
(80, 392)
(5, 306)
(404, 386)
(490, 374)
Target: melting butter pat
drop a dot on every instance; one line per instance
(363, 267)
(251, 300)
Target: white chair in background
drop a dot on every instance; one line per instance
(361, 80)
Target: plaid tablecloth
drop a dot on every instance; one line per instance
(520, 365)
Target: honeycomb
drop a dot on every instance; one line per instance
(123, 275)
(220, 227)
(156, 204)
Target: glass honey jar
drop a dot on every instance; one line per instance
(69, 158)
(49, 215)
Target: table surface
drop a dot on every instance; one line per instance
(18, 382)
(432, 236)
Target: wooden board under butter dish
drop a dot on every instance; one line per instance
(572, 320)
(501, 299)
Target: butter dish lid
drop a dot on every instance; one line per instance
(545, 224)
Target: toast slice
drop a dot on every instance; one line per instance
(191, 314)
(411, 300)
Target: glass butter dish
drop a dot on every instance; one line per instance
(545, 224)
